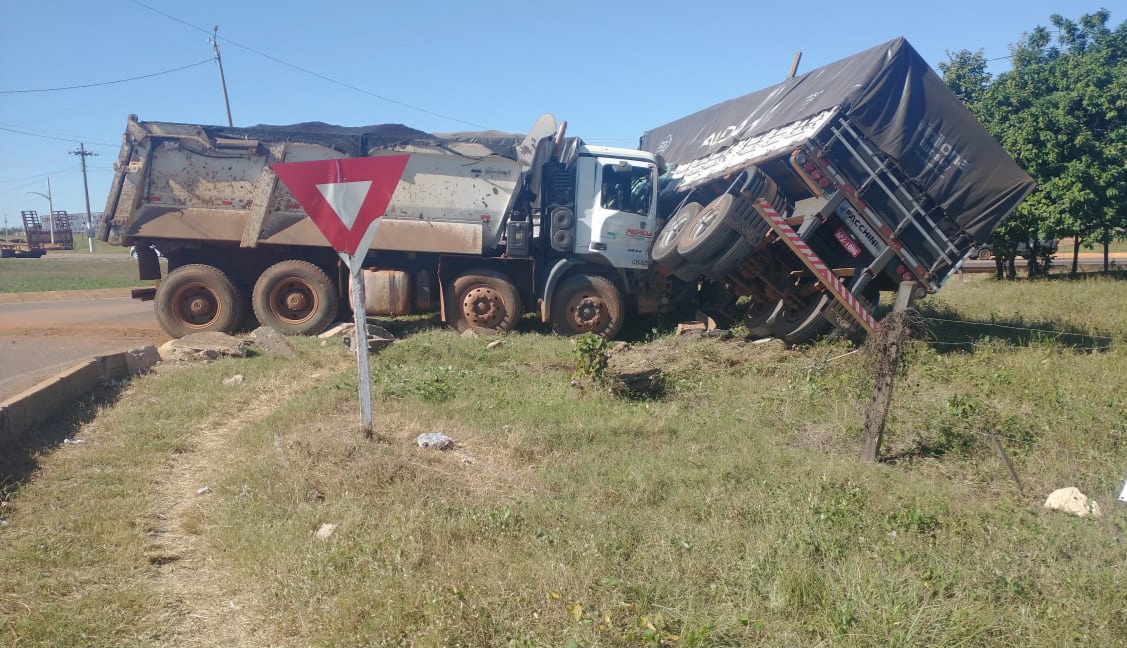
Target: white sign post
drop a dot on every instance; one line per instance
(345, 198)
(361, 343)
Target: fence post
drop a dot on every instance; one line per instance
(888, 342)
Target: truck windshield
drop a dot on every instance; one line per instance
(627, 189)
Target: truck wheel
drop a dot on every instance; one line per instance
(587, 304)
(196, 298)
(484, 300)
(805, 324)
(760, 318)
(709, 232)
(843, 322)
(295, 298)
(664, 250)
(984, 254)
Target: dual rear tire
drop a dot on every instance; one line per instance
(293, 297)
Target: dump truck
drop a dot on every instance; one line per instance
(807, 199)
(480, 227)
(800, 203)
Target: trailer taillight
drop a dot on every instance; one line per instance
(812, 173)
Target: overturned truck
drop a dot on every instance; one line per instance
(810, 197)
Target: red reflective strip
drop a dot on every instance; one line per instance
(829, 278)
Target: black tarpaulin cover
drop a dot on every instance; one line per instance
(900, 104)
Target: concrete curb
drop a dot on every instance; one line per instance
(52, 395)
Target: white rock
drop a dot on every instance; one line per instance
(494, 344)
(237, 379)
(141, 359)
(325, 531)
(209, 345)
(1071, 500)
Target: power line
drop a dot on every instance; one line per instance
(105, 83)
(1020, 328)
(60, 139)
(34, 176)
(308, 71)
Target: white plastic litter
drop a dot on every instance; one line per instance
(436, 440)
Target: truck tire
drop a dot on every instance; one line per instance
(197, 298)
(843, 322)
(482, 300)
(664, 250)
(804, 325)
(751, 229)
(705, 235)
(760, 318)
(587, 304)
(295, 298)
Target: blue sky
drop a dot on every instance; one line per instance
(610, 69)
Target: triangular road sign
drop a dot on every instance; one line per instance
(344, 197)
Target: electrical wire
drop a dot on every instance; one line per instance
(105, 83)
(35, 176)
(1019, 328)
(306, 70)
(60, 139)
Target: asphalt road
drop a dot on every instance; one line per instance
(39, 339)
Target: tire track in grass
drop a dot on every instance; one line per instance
(202, 607)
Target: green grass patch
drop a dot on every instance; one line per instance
(729, 511)
(67, 271)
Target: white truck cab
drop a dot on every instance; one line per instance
(616, 205)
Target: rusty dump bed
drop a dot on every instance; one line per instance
(185, 182)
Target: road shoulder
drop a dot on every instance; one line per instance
(64, 295)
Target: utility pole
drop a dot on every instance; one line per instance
(222, 80)
(50, 206)
(82, 153)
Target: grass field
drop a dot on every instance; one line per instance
(60, 270)
(726, 511)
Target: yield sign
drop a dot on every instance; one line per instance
(344, 197)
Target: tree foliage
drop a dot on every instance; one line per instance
(1061, 112)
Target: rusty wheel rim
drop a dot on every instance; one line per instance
(293, 301)
(196, 305)
(483, 307)
(588, 312)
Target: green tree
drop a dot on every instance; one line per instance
(1061, 112)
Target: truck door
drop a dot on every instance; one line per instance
(620, 217)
